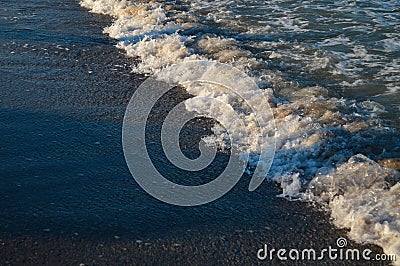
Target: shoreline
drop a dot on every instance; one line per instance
(65, 173)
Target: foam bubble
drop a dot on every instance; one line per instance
(156, 53)
(361, 199)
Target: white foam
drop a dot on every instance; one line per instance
(144, 31)
(317, 134)
(360, 199)
(106, 7)
(157, 53)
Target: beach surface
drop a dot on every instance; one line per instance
(68, 197)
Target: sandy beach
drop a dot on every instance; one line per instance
(68, 197)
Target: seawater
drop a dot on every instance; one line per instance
(331, 72)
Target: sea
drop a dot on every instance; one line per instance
(331, 72)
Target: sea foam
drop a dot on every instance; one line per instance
(321, 139)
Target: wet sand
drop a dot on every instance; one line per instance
(68, 197)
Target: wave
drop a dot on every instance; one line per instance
(322, 138)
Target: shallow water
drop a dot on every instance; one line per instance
(349, 46)
(319, 136)
(324, 65)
